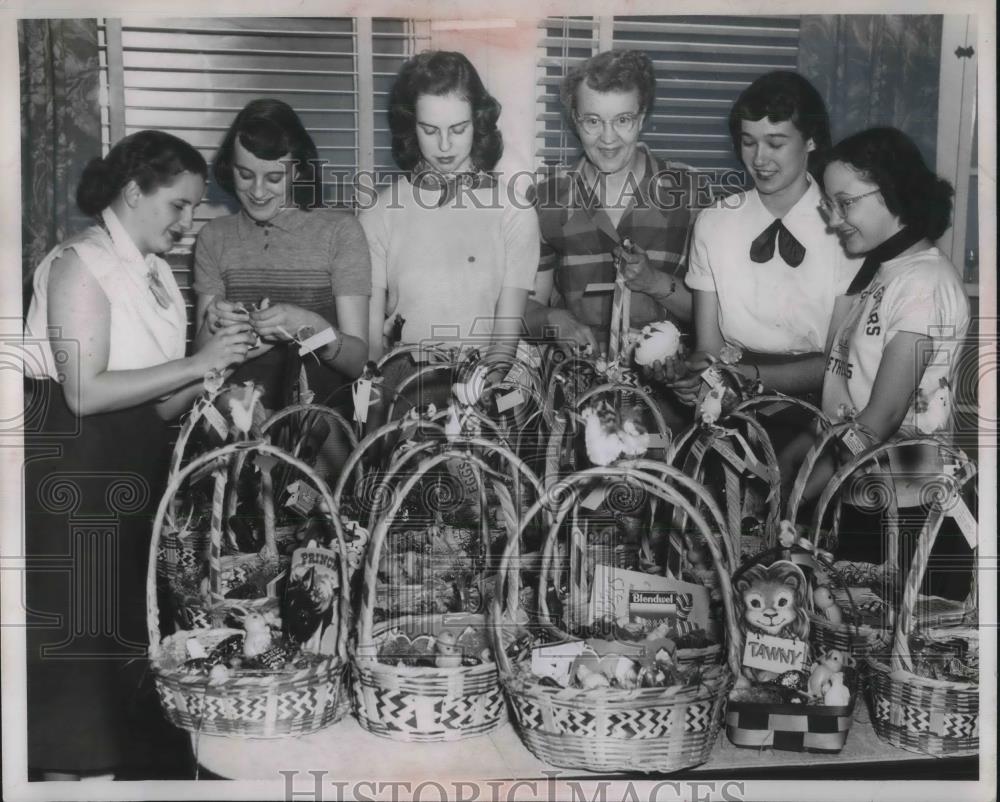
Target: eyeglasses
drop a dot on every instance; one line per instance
(841, 205)
(622, 123)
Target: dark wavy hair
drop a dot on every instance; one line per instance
(611, 71)
(779, 96)
(440, 72)
(152, 159)
(270, 129)
(913, 192)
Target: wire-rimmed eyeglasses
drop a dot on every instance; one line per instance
(621, 123)
(841, 205)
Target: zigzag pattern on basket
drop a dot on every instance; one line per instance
(464, 711)
(639, 723)
(304, 702)
(698, 717)
(636, 723)
(915, 719)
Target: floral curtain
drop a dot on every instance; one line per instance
(60, 129)
(876, 70)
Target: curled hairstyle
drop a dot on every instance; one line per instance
(270, 130)
(779, 96)
(611, 71)
(440, 72)
(152, 159)
(891, 160)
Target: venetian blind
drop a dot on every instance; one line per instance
(191, 76)
(702, 64)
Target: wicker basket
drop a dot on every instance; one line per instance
(792, 727)
(796, 727)
(416, 703)
(917, 713)
(612, 729)
(259, 704)
(746, 457)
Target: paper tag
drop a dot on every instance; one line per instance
(318, 340)
(768, 653)
(771, 409)
(362, 392)
(712, 378)
(215, 420)
(853, 442)
(595, 498)
(658, 440)
(965, 520)
(555, 660)
(509, 401)
(599, 288)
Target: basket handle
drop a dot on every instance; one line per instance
(813, 456)
(564, 494)
(766, 399)
(421, 373)
(901, 657)
(366, 613)
(413, 348)
(872, 454)
(220, 455)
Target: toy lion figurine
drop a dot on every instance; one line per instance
(772, 600)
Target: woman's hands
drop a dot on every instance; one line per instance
(225, 347)
(682, 376)
(282, 322)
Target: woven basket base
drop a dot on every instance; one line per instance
(932, 719)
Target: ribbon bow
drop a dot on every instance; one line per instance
(425, 177)
(791, 250)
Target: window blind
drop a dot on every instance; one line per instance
(190, 77)
(702, 64)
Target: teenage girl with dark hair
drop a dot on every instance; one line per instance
(765, 271)
(451, 253)
(311, 263)
(105, 368)
(891, 361)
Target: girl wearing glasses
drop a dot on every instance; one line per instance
(890, 367)
(892, 357)
(452, 255)
(105, 368)
(765, 271)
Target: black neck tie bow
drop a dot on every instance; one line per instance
(791, 250)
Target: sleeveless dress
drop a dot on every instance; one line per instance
(92, 484)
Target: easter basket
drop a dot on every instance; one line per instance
(632, 727)
(925, 696)
(780, 714)
(433, 693)
(185, 538)
(290, 693)
(736, 456)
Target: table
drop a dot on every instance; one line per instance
(347, 752)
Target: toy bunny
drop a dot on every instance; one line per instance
(837, 695)
(821, 677)
(448, 654)
(824, 601)
(258, 634)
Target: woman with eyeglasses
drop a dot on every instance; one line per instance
(767, 275)
(453, 251)
(892, 358)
